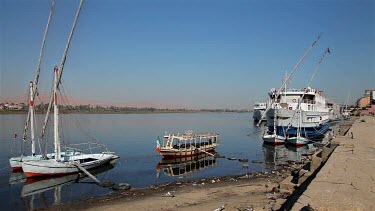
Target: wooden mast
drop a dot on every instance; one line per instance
(56, 85)
(33, 92)
(56, 116)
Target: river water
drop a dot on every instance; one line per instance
(133, 138)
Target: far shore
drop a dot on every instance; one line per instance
(5, 112)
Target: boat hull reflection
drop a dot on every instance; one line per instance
(283, 154)
(185, 165)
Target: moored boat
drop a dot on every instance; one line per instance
(297, 141)
(273, 139)
(71, 161)
(187, 144)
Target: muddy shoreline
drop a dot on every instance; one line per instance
(265, 191)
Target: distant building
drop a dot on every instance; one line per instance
(363, 102)
(370, 111)
(369, 93)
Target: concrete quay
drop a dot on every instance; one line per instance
(347, 180)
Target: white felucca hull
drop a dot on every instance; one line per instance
(53, 168)
(273, 139)
(16, 162)
(297, 141)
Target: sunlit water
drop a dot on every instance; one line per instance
(133, 138)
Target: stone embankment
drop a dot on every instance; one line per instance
(347, 180)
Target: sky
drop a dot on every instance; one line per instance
(189, 53)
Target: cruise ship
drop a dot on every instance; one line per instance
(283, 116)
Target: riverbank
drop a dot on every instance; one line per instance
(245, 192)
(347, 180)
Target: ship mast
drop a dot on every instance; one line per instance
(288, 78)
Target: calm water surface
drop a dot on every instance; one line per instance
(133, 138)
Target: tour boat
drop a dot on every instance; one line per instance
(311, 103)
(314, 112)
(187, 144)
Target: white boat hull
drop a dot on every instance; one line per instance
(297, 141)
(52, 167)
(272, 139)
(16, 162)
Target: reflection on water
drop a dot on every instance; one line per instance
(283, 154)
(185, 166)
(16, 178)
(34, 188)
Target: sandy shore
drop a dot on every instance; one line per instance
(246, 192)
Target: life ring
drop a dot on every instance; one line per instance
(294, 100)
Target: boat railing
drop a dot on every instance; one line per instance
(90, 146)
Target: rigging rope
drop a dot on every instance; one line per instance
(65, 98)
(308, 85)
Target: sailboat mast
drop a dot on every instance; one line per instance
(34, 91)
(56, 116)
(31, 112)
(61, 70)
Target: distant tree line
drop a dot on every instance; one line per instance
(42, 107)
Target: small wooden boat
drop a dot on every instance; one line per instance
(187, 144)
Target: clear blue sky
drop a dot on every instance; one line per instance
(193, 53)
